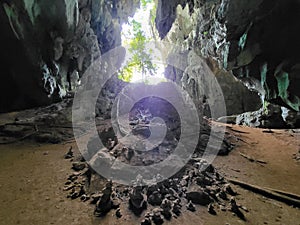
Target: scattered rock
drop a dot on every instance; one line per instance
(146, 221)
(296, 156)
(128, 153)
(157, 216)
(244, 208)
(177, 207)
(222, 208)
(222, 195)
(166, 207)
(118, 213)
(104, 204)
(84, 198)
(76, 192)
(190, 206)
(235, 209)
(138, 200)
(155, 199)
(95, 198)
(228, 189)
(112, 142)
(78, 166)
(198, 196)
(200, 187)
(203, 181)
(211, 209)
(197, 183)
(73, 177)
(69, 154)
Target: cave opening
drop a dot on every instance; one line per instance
(143, 61)
(149, 112)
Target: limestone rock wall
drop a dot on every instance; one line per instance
(46, 46)
(264, 45)
(255, 40)
(190, 31)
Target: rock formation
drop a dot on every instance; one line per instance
(47, 46)
(255, 41)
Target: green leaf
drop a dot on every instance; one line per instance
(141, 60)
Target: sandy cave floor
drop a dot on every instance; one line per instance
(32, 178)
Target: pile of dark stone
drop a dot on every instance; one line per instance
(77, 182)
(198, 184)
(140, 121)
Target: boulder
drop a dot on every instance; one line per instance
(197, 196)
(137, 200)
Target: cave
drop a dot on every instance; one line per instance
(150, 112)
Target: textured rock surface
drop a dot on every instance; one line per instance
(273, 116)
(264, 45)
(47, 46)
(206, 188)
(166, 15)
(185, 34)
(255, 40)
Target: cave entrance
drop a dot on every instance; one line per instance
(143, 61)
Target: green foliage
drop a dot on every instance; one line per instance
(265, 107)
(126, 74)
(144, 3)
(140, 60)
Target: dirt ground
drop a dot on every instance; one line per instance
(32, 178)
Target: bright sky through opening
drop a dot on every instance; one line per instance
(143, 16)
